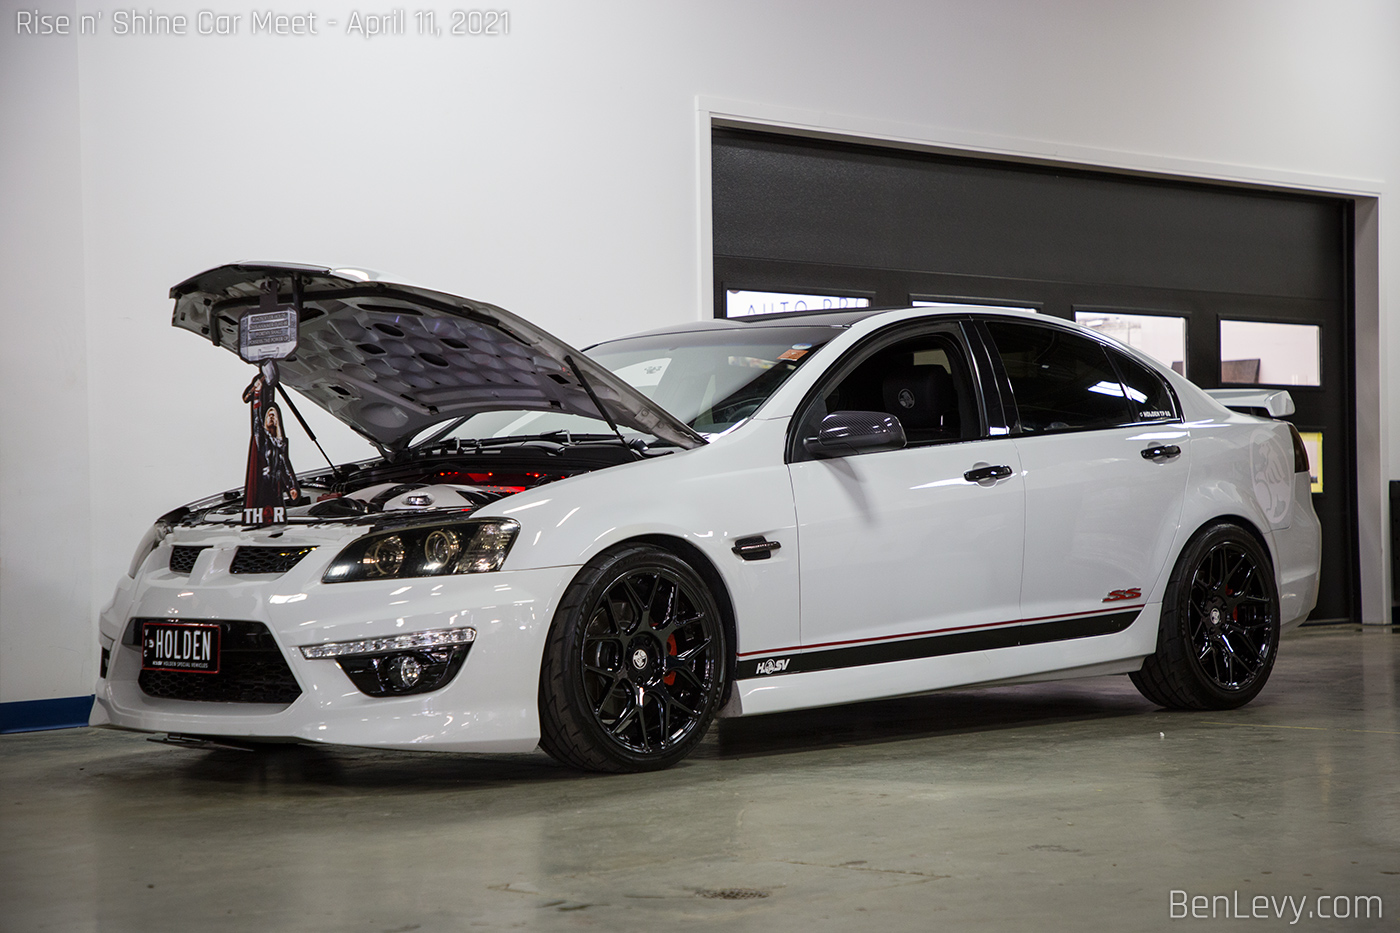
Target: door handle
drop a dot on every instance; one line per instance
(982, 474)
(1161, 452)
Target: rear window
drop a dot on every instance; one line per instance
(1061, 380)
(1149, 398)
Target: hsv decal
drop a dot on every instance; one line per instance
(772, 666)
(1273, 476)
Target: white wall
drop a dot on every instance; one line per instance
(553, 171)
(46, 623)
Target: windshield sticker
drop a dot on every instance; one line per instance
(644, 374)
(796, 353)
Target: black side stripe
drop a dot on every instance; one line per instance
(937, 645)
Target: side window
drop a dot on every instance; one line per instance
(1149, 398)
(924, 381)
(1061, 381)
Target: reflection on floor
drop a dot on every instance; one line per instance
(1074, 805)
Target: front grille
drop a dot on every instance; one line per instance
(183, 556)
(267, 559)
(251, 670)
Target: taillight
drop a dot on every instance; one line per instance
(1300, 453)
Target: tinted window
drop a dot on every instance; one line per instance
(922, 380)
(1061, 381)
(1148, 395)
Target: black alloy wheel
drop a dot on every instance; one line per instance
(634, 668)
(1220, 625)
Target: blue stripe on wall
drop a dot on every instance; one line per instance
(35, 715)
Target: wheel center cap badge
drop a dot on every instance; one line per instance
(639, 659)
(1215, 617)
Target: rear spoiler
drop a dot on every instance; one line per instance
(1276, 403)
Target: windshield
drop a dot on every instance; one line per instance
(710, 379)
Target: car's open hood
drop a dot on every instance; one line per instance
(391, 359)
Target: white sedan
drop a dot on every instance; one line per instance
(598, 554)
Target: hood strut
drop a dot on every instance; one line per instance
(599, 405)
(335, 470)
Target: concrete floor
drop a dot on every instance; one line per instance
(1073, 806)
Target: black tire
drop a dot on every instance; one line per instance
(635, 664)
(1219, 632)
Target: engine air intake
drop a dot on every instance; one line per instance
(267, 559)
(183, 556)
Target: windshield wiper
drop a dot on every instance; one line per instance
(440, 433)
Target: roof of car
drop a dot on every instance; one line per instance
(841, 318)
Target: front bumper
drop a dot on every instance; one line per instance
(490, 705)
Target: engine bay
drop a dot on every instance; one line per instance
(378, 490)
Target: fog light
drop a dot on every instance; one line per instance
(398, 665)
(404, 671)
(391, 644)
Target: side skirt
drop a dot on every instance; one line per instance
(827, 676)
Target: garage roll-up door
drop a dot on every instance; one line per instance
(815, 217)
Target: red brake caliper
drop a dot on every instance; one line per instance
(670, 679)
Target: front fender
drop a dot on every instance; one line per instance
(735, 487)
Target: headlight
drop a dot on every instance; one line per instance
(478, 546)
(149, 542)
